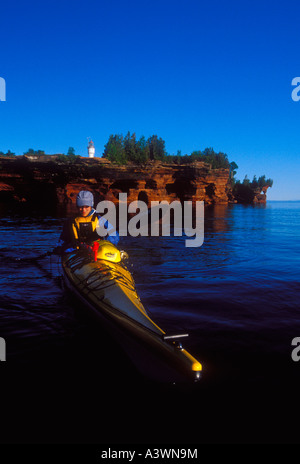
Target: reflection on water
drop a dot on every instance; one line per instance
(242, 280)
(237, 296)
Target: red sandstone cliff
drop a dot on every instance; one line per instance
(50, 182)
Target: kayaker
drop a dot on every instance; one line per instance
(83, 228)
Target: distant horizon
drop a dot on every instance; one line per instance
(284, 201)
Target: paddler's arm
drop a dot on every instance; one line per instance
(107, 231)
(67, 239)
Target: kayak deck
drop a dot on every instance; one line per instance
(108, 290)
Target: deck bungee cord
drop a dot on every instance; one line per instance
(99, 278)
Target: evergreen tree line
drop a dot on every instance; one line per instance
(8, 153)
(244, 192)
(128, 149)
(122, 150)
(255, 184)
(69, 157)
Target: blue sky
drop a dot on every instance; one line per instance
(196, 73)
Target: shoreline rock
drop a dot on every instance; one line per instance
(45, 182)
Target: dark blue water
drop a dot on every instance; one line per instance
(237, 295)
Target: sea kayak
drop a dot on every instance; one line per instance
(101, 280)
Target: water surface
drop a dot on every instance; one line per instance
(237, 296)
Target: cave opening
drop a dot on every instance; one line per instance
(210, 190)
(151, 184)
(124, 185)
(183, 189)
(143, 197)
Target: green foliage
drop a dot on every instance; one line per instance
(245, 191)
(216, 160)
(121, 150)
(157, 150)
(114, 150)
(246, 181)
(254, 183)
(31, 151)
(72, 158)
(8, 153)
(258, 184)
(263, 182)
(62, 158)
(69, 158)
(71, 151)
(143, 150)
(233, 168)
(136, 151)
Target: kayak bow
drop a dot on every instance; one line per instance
(106, 287)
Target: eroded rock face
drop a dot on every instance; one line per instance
(51, 183)
(154, 182)
(260, 196)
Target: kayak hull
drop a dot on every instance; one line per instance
(108, 291)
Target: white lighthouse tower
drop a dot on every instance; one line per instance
(91, 149)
